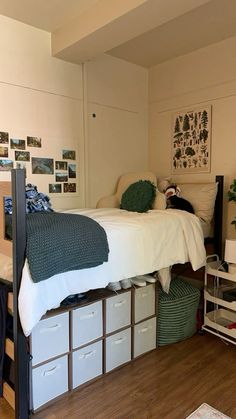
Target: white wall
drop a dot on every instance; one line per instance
(41, 96)
(45, 97)
(117, 138)
(206, 76)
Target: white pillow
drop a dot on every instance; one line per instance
(202, 197)
(163, 183)
(160, 201)
(6, 269)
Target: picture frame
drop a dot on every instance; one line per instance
(191, 141)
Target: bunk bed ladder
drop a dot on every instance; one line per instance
(21, 355)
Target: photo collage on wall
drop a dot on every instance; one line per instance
(65, 174)
(64, 170)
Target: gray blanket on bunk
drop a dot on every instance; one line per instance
(58, 243)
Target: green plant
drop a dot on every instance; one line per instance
(232, 197)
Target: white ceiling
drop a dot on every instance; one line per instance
(170, 28)
(48, 15)
(205, 25)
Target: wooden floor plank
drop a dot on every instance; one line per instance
(168, 383)
(9, 395)
(9, 348)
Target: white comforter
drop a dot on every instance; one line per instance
(138, 243)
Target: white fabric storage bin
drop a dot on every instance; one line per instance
(118, 349)
(87, 324)
(49, 380)
(118, 311)
(144, 302)
(144, 337)
(87, 363)
(50, 338)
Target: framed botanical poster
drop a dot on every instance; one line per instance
(191, 141)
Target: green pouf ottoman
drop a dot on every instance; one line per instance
(177, 312)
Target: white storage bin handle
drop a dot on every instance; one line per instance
(51, 371)
(89, 315)
(119, 341)
(87, 355)
(119, 303)
(144, 329)
(52, 328)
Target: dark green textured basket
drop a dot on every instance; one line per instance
(177, 312)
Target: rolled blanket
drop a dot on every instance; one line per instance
(58, 243)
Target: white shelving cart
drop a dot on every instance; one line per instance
(220, 301)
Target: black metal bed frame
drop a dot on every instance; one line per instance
(21, 352)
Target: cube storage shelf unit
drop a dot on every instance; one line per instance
(219, 285)
(70, 347)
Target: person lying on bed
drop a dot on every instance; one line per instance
(174, 200)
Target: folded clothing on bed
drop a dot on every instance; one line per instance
(58, 243)
(34, 201)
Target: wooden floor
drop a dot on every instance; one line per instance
(168, 383)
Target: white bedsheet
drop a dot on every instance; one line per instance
(138, 243)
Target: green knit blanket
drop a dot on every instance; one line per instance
(58, 243)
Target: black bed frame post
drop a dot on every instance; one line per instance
(21, 357)
(219, 217)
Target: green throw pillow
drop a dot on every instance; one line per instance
(139, 196)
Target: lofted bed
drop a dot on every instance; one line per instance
(26, 293)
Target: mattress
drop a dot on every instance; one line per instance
(139, 243)
(206, 228)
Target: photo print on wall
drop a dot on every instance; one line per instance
(22, 156)
(42, 166)
(34, 142)
(6, 165)
(72, 171)
(191, 141)
(19, 144)
(54, 187)
(21, 165)
(61, 177)
(61, 165)
(4, 137)
(68, 154)
(69, 187)
(3, 151)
